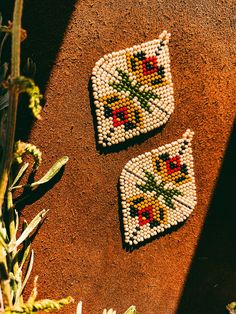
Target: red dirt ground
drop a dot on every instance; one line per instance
(78, 251)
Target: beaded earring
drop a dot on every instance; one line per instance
(158, 190)
(133, 91)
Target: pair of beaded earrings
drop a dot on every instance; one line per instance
(133, 94)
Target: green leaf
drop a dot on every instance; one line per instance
(3, 233)
(27, 275)
(32, 225)
(20, 259)
(51, 172)
(26, 247)
(16, 220)
(131, 310)
(2, 242)
(19, 175)
(29, 269)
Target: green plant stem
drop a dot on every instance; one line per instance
(13, 102)
(16, 39)
(10, 136)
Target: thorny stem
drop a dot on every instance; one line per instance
(10, 135)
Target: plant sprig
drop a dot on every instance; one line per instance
(15, 240)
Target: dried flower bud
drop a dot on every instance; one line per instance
(27, 85)
(22, 148)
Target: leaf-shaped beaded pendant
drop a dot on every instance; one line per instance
(133, 91)
(158, 190)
